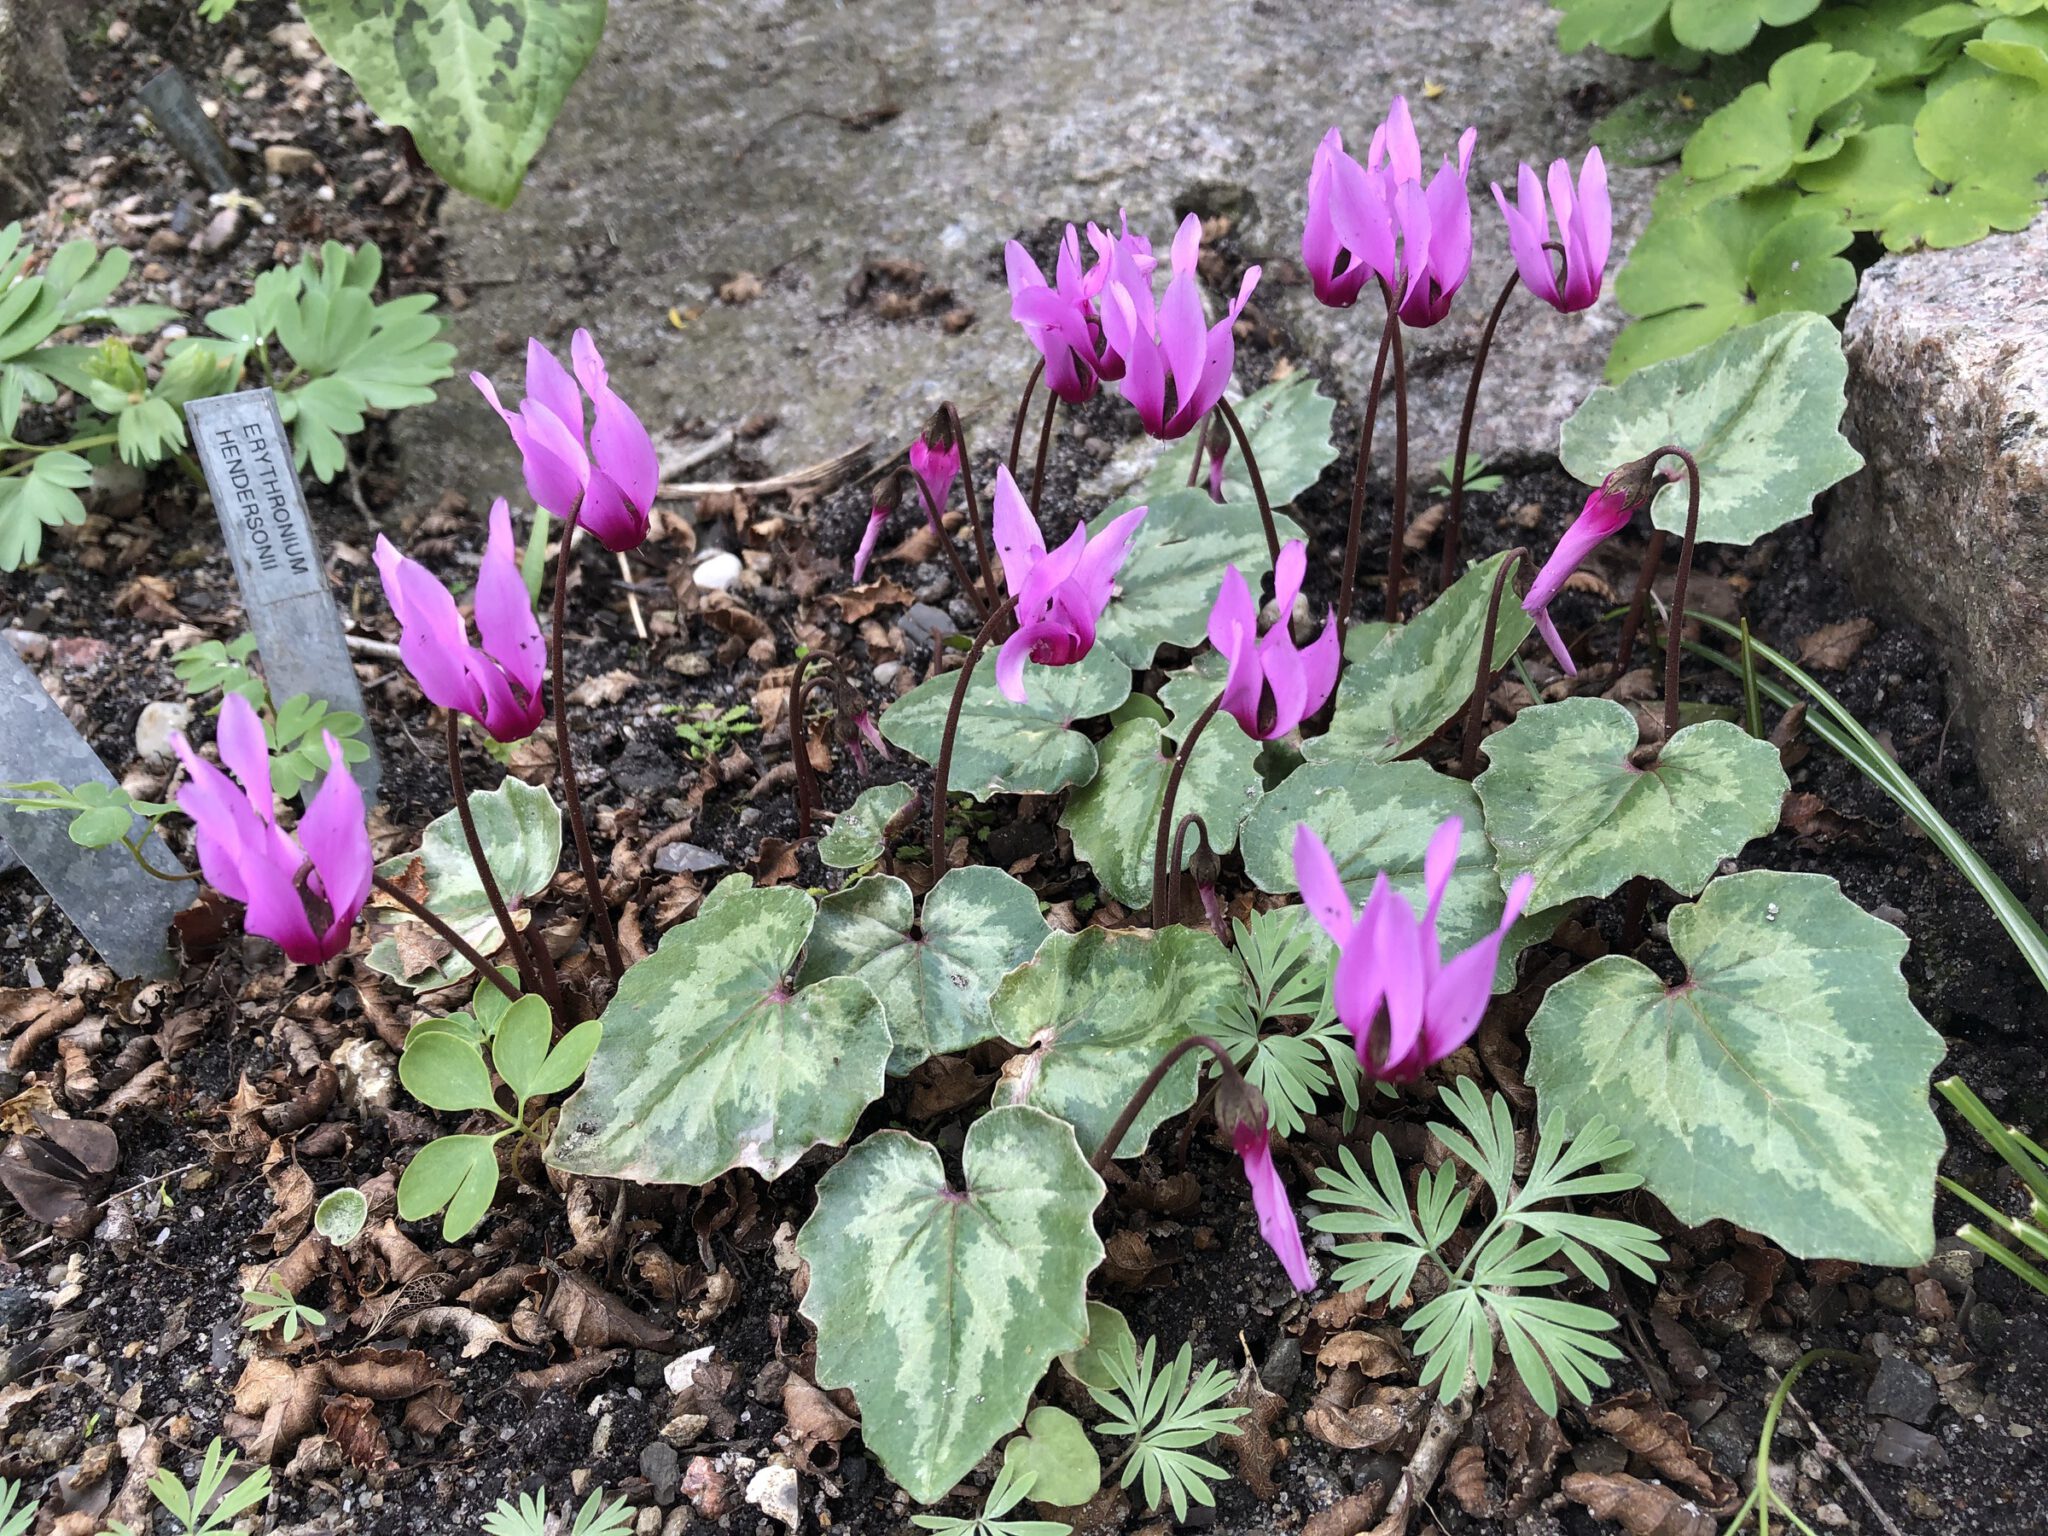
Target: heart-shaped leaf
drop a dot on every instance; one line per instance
(1114, 820)
(1393, 701)
(1055, 1455)
(521, 830)
(1169, 581)
(857, 838)
(942, 1308)
(1108, 1332)
(1012, 749)
(711, 1060)
(1564, 802)
(445, 1072)
(1759, 409)
(1289, 424)
(478, 86)
(1781, 1086)
(932, 971)
(1094, 1012)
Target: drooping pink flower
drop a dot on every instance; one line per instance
(1336, 272)
(1417, 238)
(1607, 511)
(888, 496)
(1060, 595)
(612, 475)
(303, 893)
(1407, 1007)
(935, 461)
(1176, 366)
(1273, 686)
(1062, 319)
(1585, 228)
(498, 683)
(1277, 1224)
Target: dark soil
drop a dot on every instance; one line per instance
(140, 1323)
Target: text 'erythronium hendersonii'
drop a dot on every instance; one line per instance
(1272, 686)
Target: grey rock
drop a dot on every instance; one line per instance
(1955, 1265)
(223, 232)
(1281, 1369)
(288, 159)
(660, 1465)
(1947, 524)
(1902, 1390)
(923, 624)
(1985, 1325)
(1778, 1350)
(686, 858)
(1901, 1445)
(1894, 1293)
(155, 725)
(1005, 130)
(34, 91)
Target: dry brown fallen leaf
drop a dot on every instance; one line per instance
(1465, 1481)
(1256, 1449)
(531, 1386)
(588, 1317)
(276, 1405)
(1349, 1515)
(60, 1171)
(1382, 1417)
(1640, 1508)
(943, 1084)
(1833, 646)
(1373, 1355)
(1527, 1437)
(291, 1194)
(1664, 1440)
(605, 688)
(352, 1424)
(814, 1423)
(857, 603)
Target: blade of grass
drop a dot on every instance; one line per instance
(1840, 730)
(1752, 705)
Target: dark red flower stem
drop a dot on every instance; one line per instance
(1233, 1081)
(1475, 712)
(1454, 519)
(1193, 819)
(965, 582)
(454, 940)
(1397, 539)
(1361, 460)
(1052, 402)
(1023, 410)
(1162, 875)
(942, 770)
(572, 792)
(981, 539)
(528, 979)
(1646, 577)
(1201, 437)
(1251, 469)
(1674, 626)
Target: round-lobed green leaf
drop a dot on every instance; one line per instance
(857, 837)
(1055, 1453)
(445, 1072)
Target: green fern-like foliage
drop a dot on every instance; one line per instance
(1009, 1490)
(15, 1517)
(1498, 1289)
(1166, 1413)
(1281, 1029)
(528, 1516)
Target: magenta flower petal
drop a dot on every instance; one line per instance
(1094, 578)
(337, 840)
(433, 642)
(870, 537)
(245, 750)
(548, 384)
(1060, 594)
(1607, 511)
(1322, 887)
(552, 459)
(1015, 652)
(1271, 687)
(936, 469)
(1546, 626)
(1464, 985)
(512, 648)
(1439, 863)
(610, 515)
(1277, 1224)
(1234, 631)
(1320, 663)
(1019, 543)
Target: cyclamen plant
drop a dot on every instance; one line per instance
(769, 1024)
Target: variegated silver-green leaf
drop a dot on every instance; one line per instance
(942, 1308)
(1760, 409)
(933, 971)
(1095, 1011)
(712, 1060)
(1395, 699)
(478, 84)
(1012, 749)
(1289, 425)
(1114, 820)
(1379, 817)
(521, 830)
(1564, 802)
(1781, 1086)
(858, 837)
(1169, 581)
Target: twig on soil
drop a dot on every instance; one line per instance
(1446, 1424)
(381, 650)
(815, 479)
(632, 600)
(1827, 1449)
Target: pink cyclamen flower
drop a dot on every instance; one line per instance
(1607, 511)
(1060, 595)
(1277, 1224)
(1407, 1007)
(1169, 343)
(888, 496)
(1585, 227)
(1273, 686)
(1335, 272)
(1062, 319)
(935, 461)
(303, 893)
(1417, 238)
(498, 683)
(607, 482)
